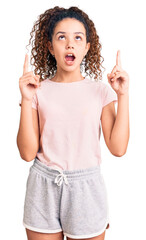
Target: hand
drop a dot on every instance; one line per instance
(118, 78)
(29, 82)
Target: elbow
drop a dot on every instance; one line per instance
(118, 150)
(26, 155)
(29, 156)
(118, 153)
(27, 159)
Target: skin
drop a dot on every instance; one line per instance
(116, 127)
(67, 42)
(56, 236)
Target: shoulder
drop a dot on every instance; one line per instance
(43, 85)
(106, 89)
(44, 82)
(99, 83)
(101, 86)
(106, 92)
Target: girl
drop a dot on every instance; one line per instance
(60, 127)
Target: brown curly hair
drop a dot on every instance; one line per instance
(42, 31)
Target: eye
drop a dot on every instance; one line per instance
(61, 36)
(79, 37)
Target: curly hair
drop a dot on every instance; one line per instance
(42, 32)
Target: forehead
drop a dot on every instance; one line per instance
(70, 25)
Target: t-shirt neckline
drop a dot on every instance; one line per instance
(67, 83)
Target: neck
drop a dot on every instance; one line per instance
(64, 76)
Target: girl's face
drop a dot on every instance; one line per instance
(69, 38)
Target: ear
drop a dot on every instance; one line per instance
(50, 47)
(87, 48)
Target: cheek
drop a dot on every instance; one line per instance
(81, 52)
(81, 46)
(58, 53)
(57, 46)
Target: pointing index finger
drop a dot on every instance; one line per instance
(25, 66)
(118, 59)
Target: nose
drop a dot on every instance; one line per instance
(69, 44)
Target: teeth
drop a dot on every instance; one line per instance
(70, 54)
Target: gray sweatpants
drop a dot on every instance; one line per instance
(74, 202)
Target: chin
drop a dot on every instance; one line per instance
(70, 68)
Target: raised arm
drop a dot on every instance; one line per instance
(28, 133)
(116, 127)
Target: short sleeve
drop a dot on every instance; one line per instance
(108, 95)
(34, 102)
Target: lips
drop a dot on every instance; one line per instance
(69, 58)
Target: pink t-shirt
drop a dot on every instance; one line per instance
(69, 118)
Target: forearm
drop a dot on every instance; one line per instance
(26, 138)
(120, 132)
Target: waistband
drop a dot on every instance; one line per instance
(66, 175)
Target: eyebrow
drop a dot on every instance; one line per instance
(74, 33)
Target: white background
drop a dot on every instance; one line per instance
(120, 25)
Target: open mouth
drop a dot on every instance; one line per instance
(70, 57)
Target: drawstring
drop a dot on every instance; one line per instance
(59, 179)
